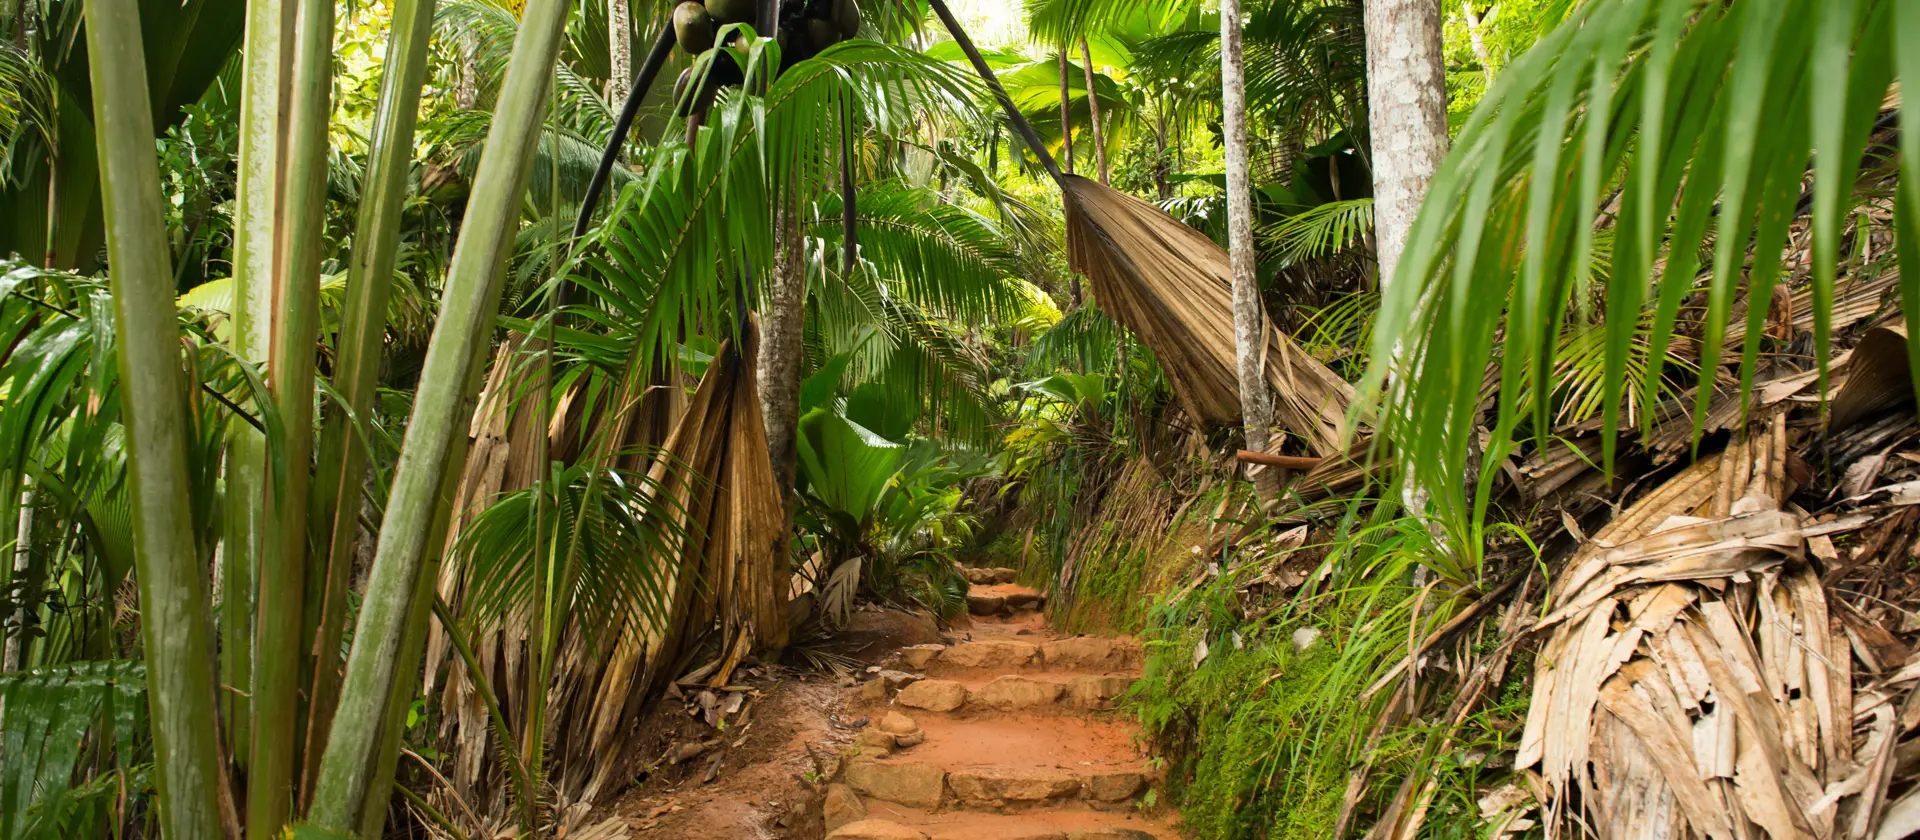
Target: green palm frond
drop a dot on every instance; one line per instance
(1321, 230)
(941, 256)
(1705, 115)
(1066, 21)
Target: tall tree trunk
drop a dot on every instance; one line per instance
(1407, 123)
(1162, 165)
(1406, 116)
(619, 50)
(1476, 40)
(472, 298)
(781, 327)
(1066, 117)
(173, 599)
(1249, 316)
(1093, 112)
(342, 465)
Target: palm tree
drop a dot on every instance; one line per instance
(1406, 116)
(1249, 316)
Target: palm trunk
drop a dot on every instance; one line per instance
(472, 298)
(1066, 118)
(1249, 316)
(341, 468)
(1093, 112)
(781, 326)
(619, 50)
(979, 62)
(1406, 116)
(1475, 39)
(173, 599)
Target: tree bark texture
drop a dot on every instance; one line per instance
(619, 51)
(781, 326)
(1093, 112)
(1407, 116)
(1066, 117)
(1249, 317)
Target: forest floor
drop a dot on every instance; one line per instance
(994, 728)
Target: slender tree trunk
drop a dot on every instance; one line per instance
(1406, 116)
(1477, 40)
(1066, 117)
(781, 326)
(1162, 187)
(348, 770)
(1407, 121)
(619, 51)
(173, 598)
(341, 468)
(1249, 316)
(1093, 112)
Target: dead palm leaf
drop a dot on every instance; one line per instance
(1169, 284)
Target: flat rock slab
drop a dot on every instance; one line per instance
(979, 577)
(842, 807)
(1114, 787)
(918, 656)
(904, 783)
(1027, 599)
(997, 788)
(1097, 692)
(1091, 652)
(1110, 834)
(1000, 653)
(933, 695)
(875, 830)
(985, 604)
(1012, 692)
(1004, 575)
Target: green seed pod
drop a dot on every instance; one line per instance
(733, 11)
(846, 15)
(693, 27)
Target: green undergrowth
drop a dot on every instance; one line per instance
(1264, 730)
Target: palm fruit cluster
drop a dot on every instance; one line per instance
(805, 28)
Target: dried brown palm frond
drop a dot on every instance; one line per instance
(1169, 284)
(1695, 684)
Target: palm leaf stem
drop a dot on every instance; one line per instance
(173, 600)
(979, 63)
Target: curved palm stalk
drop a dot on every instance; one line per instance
(341, 468)
(173, 599)
(1066, 131)
(471, 301)
(1093, 110)
(263, 102)
(649, 69)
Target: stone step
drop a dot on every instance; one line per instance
(1086, 654)
(988, 577)
(1003, 599)
(918, 784)
(886, 824)
(1037, 692)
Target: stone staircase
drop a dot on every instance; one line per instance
(1007, 734)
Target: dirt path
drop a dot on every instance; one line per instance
(996, 729)
(1006, 734)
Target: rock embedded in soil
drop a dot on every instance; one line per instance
(842, 806)
(1104, 833)
(897, 724)
(978, 577)
(1023, 600)
(1096, 692)
(1002, 574)
(899, 679)
(1114, 787)
(917, 656)
(1011, 692)
(877, 830)
(874, 691)
(1090, 652)
(990, 654)
(933, 695)
(997, 788)
(873, 742)
(904, 783)
(985, 604)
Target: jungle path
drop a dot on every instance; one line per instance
(1008, 732)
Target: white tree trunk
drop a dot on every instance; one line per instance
(1407, 115)
(1249, 316)
(619, 51)
(1478, 42)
